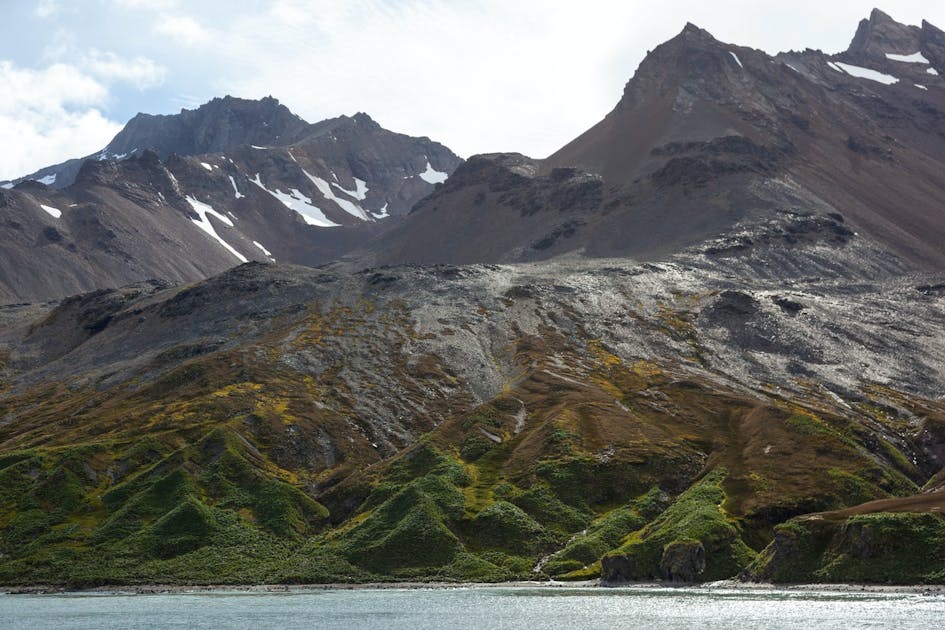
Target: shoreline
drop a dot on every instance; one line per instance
(196, 589)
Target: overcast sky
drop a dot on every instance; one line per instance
(477, 75)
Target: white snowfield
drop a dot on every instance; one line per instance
(913, 58)
(105, 155)
(54, 212)
(206, 166)
(325, 189)
(6, 185)
(236, 191)
(432, 176)
(737, 60)
(921, 87)
(263, 249)
(295, 200)
(932, 71)
(49, 180)
(360, 188)
(203, 210)
(864, 73)
(382, 213)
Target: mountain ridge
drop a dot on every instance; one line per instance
(181, 217)
(700, 119)
(703, 341)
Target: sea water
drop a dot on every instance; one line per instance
(478, 607)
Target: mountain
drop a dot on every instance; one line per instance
(711, 140)
(186, 196)
(290, 424)
(223, 124)
(702, 341)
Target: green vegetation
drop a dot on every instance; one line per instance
(580, 557)
(894, 548)
(221, 471)
(693, 540)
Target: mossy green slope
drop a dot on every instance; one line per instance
(888, 542)
(693, 540)
(258, 464)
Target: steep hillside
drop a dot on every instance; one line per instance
(286, 424)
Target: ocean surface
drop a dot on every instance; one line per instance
(479, 608)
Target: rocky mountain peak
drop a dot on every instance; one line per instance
(363, 120)
(693, 60)
(900, 50)
(214, 126)
(881, 34)
(693, 33)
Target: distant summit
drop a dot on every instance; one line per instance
(711, 139)
(215, 126)
(218, 125)
(184, 196)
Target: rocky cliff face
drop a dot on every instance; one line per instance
(221, 124)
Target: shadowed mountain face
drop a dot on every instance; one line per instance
(705, 339)
(182, 197)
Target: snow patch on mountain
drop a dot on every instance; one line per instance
(54, 212)
(204, 211)
(325, 189)
(932, 71)
(360, 188)
(433, 176)
(913, 58)
(382, 213)
(737, 60)
(866, 73)
(206, 166)
(105, 155)
(49, 180)
(295, 200)
(263, 249)
(236, 191)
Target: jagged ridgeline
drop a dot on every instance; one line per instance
(182, 197)
(703, 340)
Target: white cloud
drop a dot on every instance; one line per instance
(46, 8)
(61, 44)
(141, 72)
(47, 90)
(181, 28)
(49, 115)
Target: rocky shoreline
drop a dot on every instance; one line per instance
(172, 589)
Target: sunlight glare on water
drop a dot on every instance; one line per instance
(477, 607)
